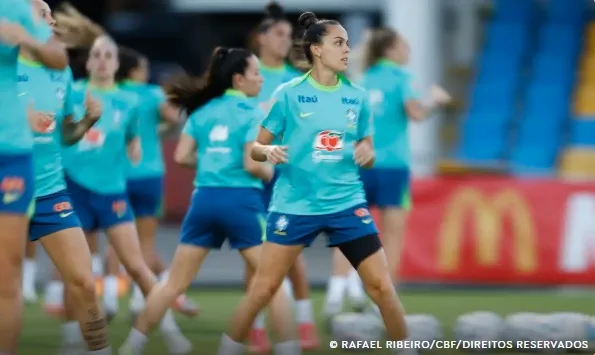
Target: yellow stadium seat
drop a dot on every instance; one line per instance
(578, 163)
(584, 103)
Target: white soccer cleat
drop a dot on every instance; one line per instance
(176, 343)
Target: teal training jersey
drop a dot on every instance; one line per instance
(99, 162)
(221, 129)
(15, 135)
(150, 99)
(390, 87)
(273, 77)
(49, 91)
(320, 125)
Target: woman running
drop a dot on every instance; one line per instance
(217, 140)
(394, 102)
(274, 42)
(145, 178)
(18, 30)
(54, 222)
(325, 125)
(96, 173)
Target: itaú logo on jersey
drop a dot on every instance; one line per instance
(326, 143)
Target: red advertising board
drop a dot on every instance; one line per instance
(481, 230)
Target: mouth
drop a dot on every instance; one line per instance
(345, 60)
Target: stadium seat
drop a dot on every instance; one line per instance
(578, 163)
(582, 132)
(566, 11)
(533, 159)
(514, 10)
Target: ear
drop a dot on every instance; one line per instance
(316, 50)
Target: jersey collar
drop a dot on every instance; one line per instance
(315, 84)
(29, 62)
(389, 63)
(236, 93)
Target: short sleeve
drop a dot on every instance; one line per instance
(275, 119)
(133, 123)
(252, 129)
(409, 91)
(189, 128)
(364, 123)
(68, 95)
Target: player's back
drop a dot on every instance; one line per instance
(221, 129)
(389, 88)
(15, 136)
(273, 77)
(150, 98)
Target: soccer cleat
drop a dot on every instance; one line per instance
(186, 306)
(308, 336)
(54, 310)
(29, 297)
(259, 341)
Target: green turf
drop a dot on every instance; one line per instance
(41, 334)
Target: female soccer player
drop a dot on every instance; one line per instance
(145, 178)
(394, 102)
(217, 140)
(18, 30)
(96, 173)
(274, 41)
(324, 122)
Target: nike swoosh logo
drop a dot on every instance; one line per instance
(10, 197)
(22, 94)
(65, 214)
(304, 115)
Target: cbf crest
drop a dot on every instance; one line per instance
(351, 118)
(60, 96)
(281, 225)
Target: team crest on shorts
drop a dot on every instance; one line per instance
(281, 226)
(351, 118)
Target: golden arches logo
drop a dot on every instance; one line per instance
(487, 214)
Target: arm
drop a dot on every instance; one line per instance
(365, 132)
(73, 131)
(185, 154)
(256, 168)
(261, 147)
(272, 126)
(51, 54)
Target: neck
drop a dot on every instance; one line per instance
(27, 55)
(102, 83)
(324, 76)
(269, 60)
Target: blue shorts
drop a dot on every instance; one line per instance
(387, 187)
(267, 192)
(217, 214)
(17, 184)
(340, 227)
(53, 213)
(99, 211)
(145, 196)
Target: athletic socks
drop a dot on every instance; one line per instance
(110, 294)
(259, 322)
(304, 312)
(104, 351)
(29, 273)
(290, 347)
(137, 300)
(228, 346)
(54, 296)
(136, 341)
(97, 265)
(355, 291)
(288, 287)
(71, 334)
(334, 294)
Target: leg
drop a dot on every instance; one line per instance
(367, 257)
(69, 252)
(337, 284)
(275, 261)
(111, 283)
(393, 232)
(303, 306)
(29, 271)
(13, 235)
(186, 264)
(258, 338)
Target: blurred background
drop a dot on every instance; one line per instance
(504, 178)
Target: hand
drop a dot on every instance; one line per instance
(12, 33)
(93, 107)
(364, 153)
(439, 95)
(39, 121)
(134, 151)
(276, 154)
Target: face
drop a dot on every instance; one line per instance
(103, 60)
(42, 9)
(334, 50)
(140, 74)
(251, 81)
(398, 52)
(277, 40)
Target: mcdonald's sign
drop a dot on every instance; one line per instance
(488, 214)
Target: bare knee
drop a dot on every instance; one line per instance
(82, 286)
(379, 288)
(262, 291)
(137, 268)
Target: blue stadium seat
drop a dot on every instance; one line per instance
(582, 132)
(555, 33)
(514, 10)
(573, 11)
(556, 97)
(507, 37)
(484, 137)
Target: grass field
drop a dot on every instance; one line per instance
(41, 334)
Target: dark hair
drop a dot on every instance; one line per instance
(192, 93)
(273, 15)
(379, 41)
(314, 30)
(129, 60)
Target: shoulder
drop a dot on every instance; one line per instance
(126, 99)
(155, 90)
(352, 93)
